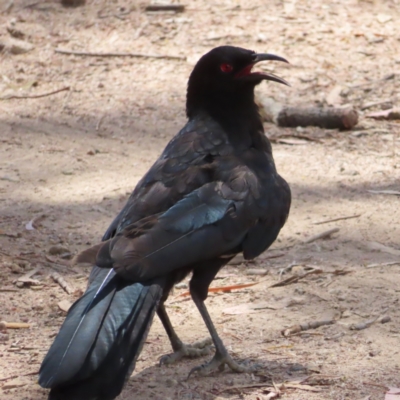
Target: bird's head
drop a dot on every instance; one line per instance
(225, 75)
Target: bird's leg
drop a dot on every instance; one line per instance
(203, 275)
(221, 356)
(181, 350)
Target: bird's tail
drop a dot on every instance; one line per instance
(101, 338)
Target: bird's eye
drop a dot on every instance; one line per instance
(226, 68)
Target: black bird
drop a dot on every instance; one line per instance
(213, 193)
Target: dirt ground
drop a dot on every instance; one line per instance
(68, 162)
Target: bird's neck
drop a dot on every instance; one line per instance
(237, 114)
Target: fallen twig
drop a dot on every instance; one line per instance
(381, 247)
(278, 138)
(376, 384)
(13, 325)
(269, 256)
(373, 104)
(97, 54)
(306, 326)
(249, 386)
(336, 219)
(296, 278)
(277, 387)
(321, 235)
(393, 113)
(383, 264)
(34, 96)
(165, 7)
(366, 324)
(62, 282)
(7, 289)
(328, 118)
(392, 192)
(16, 376)
(224, 288)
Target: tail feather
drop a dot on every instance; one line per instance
(101, 338)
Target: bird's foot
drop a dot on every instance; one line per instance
(198, 349)
(218, 362)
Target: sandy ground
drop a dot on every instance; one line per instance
(69, 160)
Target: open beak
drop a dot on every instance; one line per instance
(247, 71)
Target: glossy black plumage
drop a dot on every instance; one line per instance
(214, 192)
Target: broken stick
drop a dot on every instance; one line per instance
(292, 117)
(306, 326)
(326, 221)
(13, 325)
(165, 7)
(62, 282)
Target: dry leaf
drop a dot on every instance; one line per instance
(383, 18)
(333, 98)
(64, 305)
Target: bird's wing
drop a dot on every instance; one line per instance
(274, 207)
(203, 225)
(183, 167)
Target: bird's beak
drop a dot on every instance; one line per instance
(268, 57)
(246, 72)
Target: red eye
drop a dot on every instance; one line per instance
(226, 68)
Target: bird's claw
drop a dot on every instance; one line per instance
(198, 349)
(218, 362)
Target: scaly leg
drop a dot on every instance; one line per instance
(203, 275)
(181, 350)
(221, 356)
